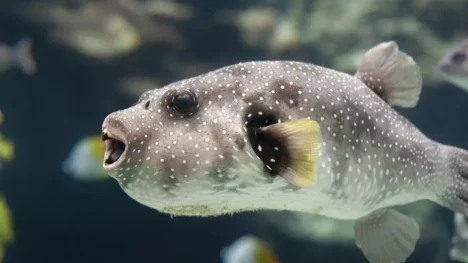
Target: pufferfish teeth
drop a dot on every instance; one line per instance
(104, 135)
(108, 145)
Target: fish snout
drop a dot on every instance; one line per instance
(116, 142)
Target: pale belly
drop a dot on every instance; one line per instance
(356, 191)
(325, 205)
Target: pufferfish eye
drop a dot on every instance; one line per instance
(184, 102)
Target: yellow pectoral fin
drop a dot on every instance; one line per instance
(302, 140)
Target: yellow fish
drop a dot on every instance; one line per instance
(249, 249)
(6, 146)
(7, 150)
(7, 235)
(85, 159)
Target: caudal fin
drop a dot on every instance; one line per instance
(23, 51)
(451, 185)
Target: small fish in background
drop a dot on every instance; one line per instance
(18, 56)
(459, 249)
(104, 30)
(7, 234)
(248, 249)
(7, 149)
(454, 65)
(84, 161)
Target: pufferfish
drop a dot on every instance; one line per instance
(285, 135)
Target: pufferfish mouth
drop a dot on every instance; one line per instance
(116, 147)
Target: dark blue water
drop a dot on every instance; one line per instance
(60, 220)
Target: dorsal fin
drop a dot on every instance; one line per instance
(391, 74)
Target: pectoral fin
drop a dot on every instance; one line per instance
(386, 236)
(291, 149)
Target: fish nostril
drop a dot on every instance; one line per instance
(147, 104)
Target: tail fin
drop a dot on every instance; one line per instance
(23, 52)
(452, 189)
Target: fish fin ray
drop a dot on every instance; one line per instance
(386, 236)
(391, 74)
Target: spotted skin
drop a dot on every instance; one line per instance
(202, 164)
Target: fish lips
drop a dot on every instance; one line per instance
(116, 145)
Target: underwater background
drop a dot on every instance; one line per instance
(97, 56)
